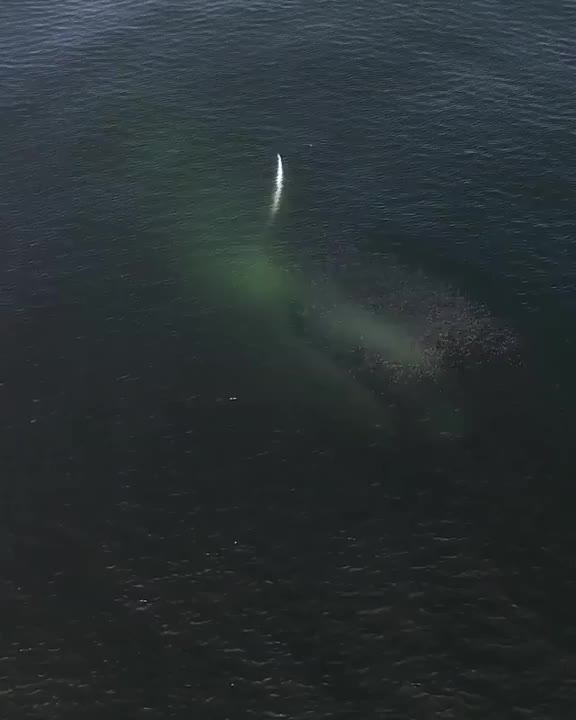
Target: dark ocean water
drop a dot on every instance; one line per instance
(316, 467)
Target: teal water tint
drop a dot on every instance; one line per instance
(314, 468)
(426, 210)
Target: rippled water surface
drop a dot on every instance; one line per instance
(305, 464)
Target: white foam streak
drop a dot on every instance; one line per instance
(278, 187)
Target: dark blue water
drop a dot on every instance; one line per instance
(314, 467)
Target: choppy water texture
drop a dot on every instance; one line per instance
(309, 465)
